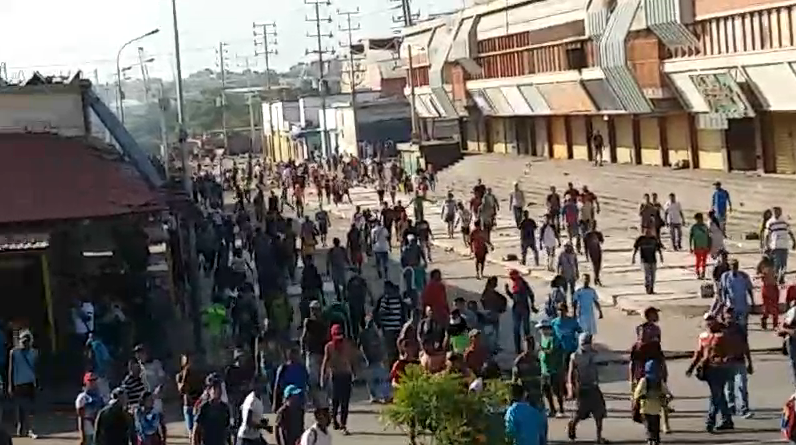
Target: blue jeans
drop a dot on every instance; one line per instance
(188, 415)
(716, 378)
(780, 259)
(517, 215)
(378, 381)
(737, 388)
(522, 328)
(381, 263)
(650, 270)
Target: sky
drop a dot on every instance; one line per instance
(61, 37)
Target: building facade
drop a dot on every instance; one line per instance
(697, 83)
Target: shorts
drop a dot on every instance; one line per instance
(590, 403)
(466, 230)
(554, 383)
(449, 218)
(573, 230)
(323, 229)
(480, 257)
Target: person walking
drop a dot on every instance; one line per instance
(252, 417)
(584, 303)
(149, 423)
(527, 228)
(189, 385)
(699, 244)
(551, 360)
(338, 367)
(88, 404)
(651, 396)
(549, 240)
(598, 144)
(583, 386)
(721, 204)
(737, 292)
(318, 433)
(523, 304)
(448, 214)
(710, 364)
(114, 425)
(646, 246)
(23, 382)
(568, 268)
(739, 364)
(213, 416)
(593, 241)
(313, 340)
(290, 417)
(674, 219)
(336, 265)
(517, 203)
(525, 424)
(779, 241)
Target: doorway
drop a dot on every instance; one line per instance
(741, 142)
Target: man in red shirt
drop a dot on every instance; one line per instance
(436, 296)
(479, 244)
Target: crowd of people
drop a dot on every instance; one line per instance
(264, 254)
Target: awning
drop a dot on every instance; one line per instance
(775, 85)
(482, 101)
(714, 92)
(602, 95)
(48, 177)
(566, 97)
(501, 104)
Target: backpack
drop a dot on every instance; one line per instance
(788, 420)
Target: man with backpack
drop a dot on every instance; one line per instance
(318, 433)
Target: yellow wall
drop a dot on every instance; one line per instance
(650, 141)
(559, 138)
(711, 149)
(677, 138)
(476, 136)
(498, 135)
(624, 139)
(580, 148)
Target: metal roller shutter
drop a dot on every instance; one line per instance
(559, 138)
(677, 138)
(580, 148)
(624, 139)
(711, 149)
(650, 141)
(785, 143)
(540, 125)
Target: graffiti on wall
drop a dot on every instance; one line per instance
(722, 94)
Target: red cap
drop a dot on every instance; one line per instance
(88, 377)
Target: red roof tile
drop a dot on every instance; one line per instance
(48, 177)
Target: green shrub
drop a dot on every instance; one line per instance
(438, 409)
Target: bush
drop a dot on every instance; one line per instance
(439, 407)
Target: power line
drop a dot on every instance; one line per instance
(320, 52)
(265, 45)
(353, 67)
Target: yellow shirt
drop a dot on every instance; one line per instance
(654, 401)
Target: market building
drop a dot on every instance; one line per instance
(690, 83)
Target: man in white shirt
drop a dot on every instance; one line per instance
(779, 239)
(517, 203)
(318, 433)
(673, 215)
(381, 248)
(252, 419)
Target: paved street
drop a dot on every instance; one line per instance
(615, 331)
(687, 422)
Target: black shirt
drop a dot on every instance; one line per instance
(113, 426)
(290, 424)
(213, 417)
(647, 246)
(528, 229)
(317, 336)
(423, 230)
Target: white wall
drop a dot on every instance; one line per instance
(53, 111)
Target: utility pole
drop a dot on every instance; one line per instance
(250, 101)
(320, 52)
(222, 66)
(353, 69)
(408, 19)
(265, 45)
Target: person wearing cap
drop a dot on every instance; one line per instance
(721, 203)
(710, 363)
(338, 367)
(290, 417)
(23, 381)
(113, 424)
(551, 362)
(583, 385)
(213, 415)
(88, 404)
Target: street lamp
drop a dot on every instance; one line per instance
(120, 104)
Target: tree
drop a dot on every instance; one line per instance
(440, 407)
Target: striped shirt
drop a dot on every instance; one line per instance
(391, 313)
(778, 233)
(135, 388)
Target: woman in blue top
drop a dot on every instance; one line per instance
(566, 329)
(149, 424)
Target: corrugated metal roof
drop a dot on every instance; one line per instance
(49, 177)
(535, 99)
